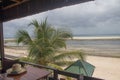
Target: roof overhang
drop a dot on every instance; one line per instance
(12, 9)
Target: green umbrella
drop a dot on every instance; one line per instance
(81, 67)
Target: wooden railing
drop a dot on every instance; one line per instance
(57, 72)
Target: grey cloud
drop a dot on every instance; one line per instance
(95, 17)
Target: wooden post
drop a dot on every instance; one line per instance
(1, 43)
(55, 75)
(80, 77)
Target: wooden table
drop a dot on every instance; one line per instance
(33, 73)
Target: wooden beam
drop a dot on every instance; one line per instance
(17, 1)
(36, 6)
(15, 4)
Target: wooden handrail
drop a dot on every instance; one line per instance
(56, 72)
(37, 65)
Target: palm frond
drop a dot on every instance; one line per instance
(34, 23)
(63, 33)
(64, 63)
(70, 55)
(47, 40)
(55, 66)
(23, 36)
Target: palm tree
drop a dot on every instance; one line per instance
(43, 47)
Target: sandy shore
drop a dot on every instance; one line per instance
(107, 68)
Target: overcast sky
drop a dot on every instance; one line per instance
(90, 18)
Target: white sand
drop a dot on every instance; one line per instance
(106, 68)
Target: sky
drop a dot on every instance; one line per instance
(98, 17)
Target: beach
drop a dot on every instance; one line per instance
(107, 68)
(104, 54)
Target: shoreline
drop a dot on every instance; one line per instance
(81, 37)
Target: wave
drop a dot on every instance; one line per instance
(95, 37)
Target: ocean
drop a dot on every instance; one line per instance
(99, 43)
(102, 46)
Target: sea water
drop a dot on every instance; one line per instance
(111, 43)
(101, 47)
(77, 43)
(108, 46)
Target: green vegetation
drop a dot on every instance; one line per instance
(44, 46)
